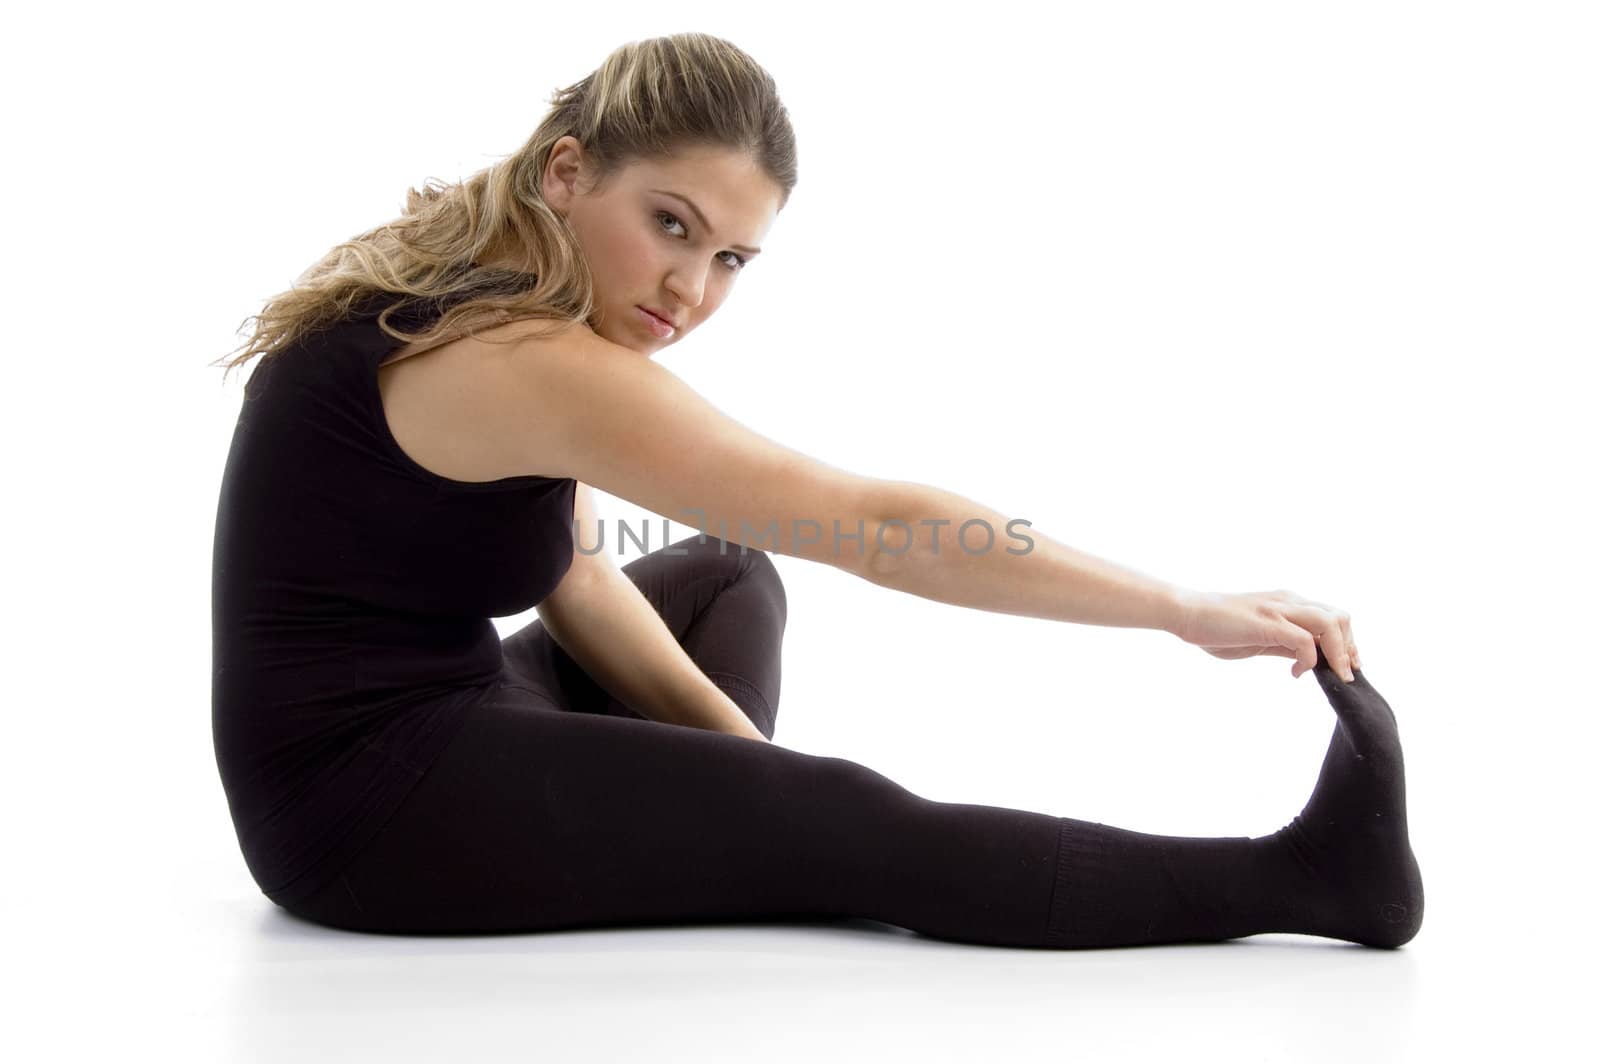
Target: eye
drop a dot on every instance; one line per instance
(740, 259)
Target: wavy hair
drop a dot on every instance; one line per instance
(646, 101)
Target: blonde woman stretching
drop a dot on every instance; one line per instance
(413, 457)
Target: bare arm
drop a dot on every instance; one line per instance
(613, 632)
(1021, 572)
(592, 410)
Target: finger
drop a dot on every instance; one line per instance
(1304, 648)
(1325, 627)
(1352, 660)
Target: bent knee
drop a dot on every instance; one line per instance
(761, 568)
(736, 562)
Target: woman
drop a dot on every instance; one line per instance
(413, 458)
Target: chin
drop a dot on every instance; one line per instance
(624, 335)
(644, 348)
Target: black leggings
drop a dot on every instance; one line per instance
(555, 807)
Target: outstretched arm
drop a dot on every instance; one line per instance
(595, 411)
(1002, 569)
(1027, 573)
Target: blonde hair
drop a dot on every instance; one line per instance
(647, 100)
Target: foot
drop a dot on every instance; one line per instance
(1346, 859)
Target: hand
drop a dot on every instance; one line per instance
(1280, 623)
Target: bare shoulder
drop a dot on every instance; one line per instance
(613, 418)
(446, 406)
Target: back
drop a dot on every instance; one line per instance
(351, 603)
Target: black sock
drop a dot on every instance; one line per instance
(1344, 866)
(1341, 869)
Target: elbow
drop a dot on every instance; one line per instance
(861, 526)
(879, 566)
(887, 534)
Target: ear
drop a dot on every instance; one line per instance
(562, 172)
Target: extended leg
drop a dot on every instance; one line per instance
(538, 819)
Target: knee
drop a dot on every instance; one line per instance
(760, 569)
(738, 563)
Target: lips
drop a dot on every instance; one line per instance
(657, 313)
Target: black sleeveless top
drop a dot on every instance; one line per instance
(351, 595)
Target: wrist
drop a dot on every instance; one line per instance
(1175, 605)
(711, 709)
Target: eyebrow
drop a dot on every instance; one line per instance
(747, 249)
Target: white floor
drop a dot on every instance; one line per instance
(233, 978)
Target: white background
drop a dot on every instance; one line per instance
(1243, 295)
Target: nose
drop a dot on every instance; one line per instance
(688, 290)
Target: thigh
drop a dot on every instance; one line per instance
(538, 819)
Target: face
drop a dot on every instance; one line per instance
(671, 235)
